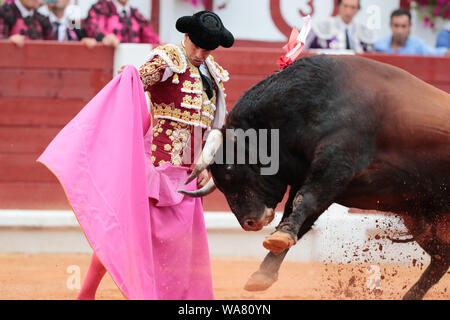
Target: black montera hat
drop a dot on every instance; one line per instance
(206, 30)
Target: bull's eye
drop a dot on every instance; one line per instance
(228, 172)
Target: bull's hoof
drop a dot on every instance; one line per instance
(278, 242)
(259, 282)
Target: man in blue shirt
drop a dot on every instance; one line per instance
(443, 38)
(400, 42)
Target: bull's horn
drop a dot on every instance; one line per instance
(212, 144)
(207, 189)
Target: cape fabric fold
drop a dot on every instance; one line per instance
(151, 239)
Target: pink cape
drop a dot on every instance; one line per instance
(150, 238)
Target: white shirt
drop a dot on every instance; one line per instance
(120, 8)
(62, 32)
(204, 70)
(330, 33)
(447, 26)
(343, 27)
(23, 11)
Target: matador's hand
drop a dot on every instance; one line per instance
(121, 69)
(202, 179)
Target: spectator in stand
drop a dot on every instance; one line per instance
(401, 42)
(341, 32)
(67, 28)
(443, 38)
(20, 21)
(113, 22)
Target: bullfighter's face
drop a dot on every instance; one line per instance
(195, 54)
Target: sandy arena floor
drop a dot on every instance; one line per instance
(45, 276)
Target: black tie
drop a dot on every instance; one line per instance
(57, 24)
(207, 85)
(347, 40)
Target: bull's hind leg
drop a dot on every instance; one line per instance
(434, 272)
(433, 237)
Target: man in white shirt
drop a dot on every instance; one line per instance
(341, 32)
(65, 26)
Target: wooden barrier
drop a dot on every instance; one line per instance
(44, 85)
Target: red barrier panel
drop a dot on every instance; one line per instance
(55, 55)
(44, 85)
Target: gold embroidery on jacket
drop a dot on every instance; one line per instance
(180, 139)
(195, 108)
(192, 87)
(192, 102)
(150, 72)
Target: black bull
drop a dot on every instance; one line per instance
(352, 131)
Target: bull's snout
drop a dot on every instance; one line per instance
(252, 224)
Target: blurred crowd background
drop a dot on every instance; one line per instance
(360, 26)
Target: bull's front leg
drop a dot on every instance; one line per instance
(267, 273)
(331, 170)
